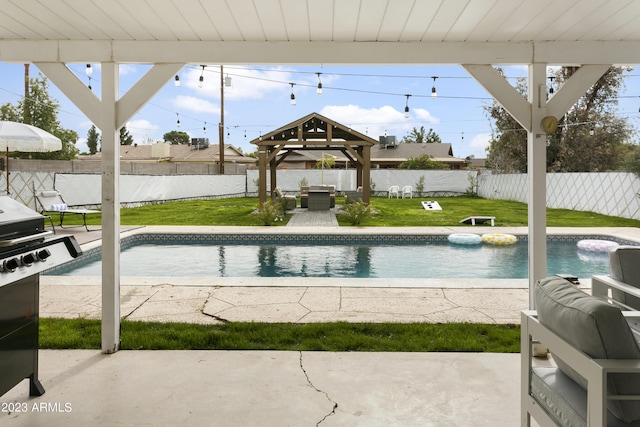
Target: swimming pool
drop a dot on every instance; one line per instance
(363, 256)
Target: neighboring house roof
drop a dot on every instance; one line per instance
(176, 153)
(441, 152)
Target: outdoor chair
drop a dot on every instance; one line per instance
(51, 202)
(407, 191)
(594, 377)
(622, 285)
(353, 196)
(394, 190)
(290, 201)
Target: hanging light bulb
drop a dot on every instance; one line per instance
(592, 131)
(319, 91)
(89, 70)
(89, 85)
(434, 93)
(178, 120)
(201, 79)
(406, 107)
(177, 81)
(205, 127)
(293, 97)
(551, 84)
(227, 81)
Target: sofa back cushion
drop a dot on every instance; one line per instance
(624, 265)
(594, 327)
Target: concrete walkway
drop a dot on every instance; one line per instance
(306, 218)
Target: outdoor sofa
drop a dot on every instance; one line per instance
(594, 376)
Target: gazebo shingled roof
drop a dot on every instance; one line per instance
(313, 132)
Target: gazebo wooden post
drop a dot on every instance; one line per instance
(366, 173)
(272, 177)
(262, 174)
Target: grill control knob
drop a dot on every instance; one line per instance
(10, 265)
(43, 254)
(28, 259)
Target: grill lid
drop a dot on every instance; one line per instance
(12, 212)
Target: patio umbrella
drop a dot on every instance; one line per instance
(27, 139)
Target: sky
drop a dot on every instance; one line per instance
(370, 99)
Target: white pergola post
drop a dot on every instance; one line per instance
(537, 174)
(109, 114)
(529, 113)
(110, 209)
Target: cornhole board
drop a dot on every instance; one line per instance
(431, 206)
(473, 220)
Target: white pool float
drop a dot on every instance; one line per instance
(464, 239)
(596, 245)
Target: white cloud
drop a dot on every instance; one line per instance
(195, 104)
(246, 83)
(480, 143)
(141, 130)
(375, 122)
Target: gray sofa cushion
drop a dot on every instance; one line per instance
(594, 327)
(624, 265)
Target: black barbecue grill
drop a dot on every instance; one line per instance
(26, 249)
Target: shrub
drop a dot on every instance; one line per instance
(355, 212)
(269, 212)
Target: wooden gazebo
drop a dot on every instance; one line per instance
(313, 132)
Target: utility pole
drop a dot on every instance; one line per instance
(26, 112)
(221, 127)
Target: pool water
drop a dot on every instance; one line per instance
(422, 260)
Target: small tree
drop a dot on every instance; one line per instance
(125, 137)
(420, 185)
(92, 139)
(326, 162)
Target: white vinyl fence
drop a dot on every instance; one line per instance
(608, 193)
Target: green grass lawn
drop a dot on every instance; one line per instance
(338, 336)
(392, 213)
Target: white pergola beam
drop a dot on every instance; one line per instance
(144, 89)
(575, 87)
(307, 52)
(494, 83)
(73, 88)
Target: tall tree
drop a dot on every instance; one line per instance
(92, 139)
(125, 137)
(42, 113)
(419, 136)
(590, 137)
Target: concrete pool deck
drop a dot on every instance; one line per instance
(214, 300)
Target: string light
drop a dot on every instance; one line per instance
(177, 81)
(89, 85)
(319, 91)
(201, 79)
(551, 84)
(406, 107)
(293, 97)
(205, 127)
(434, 93)
(89, 69)
(592, 131)
(178, 121)
(227, 81)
